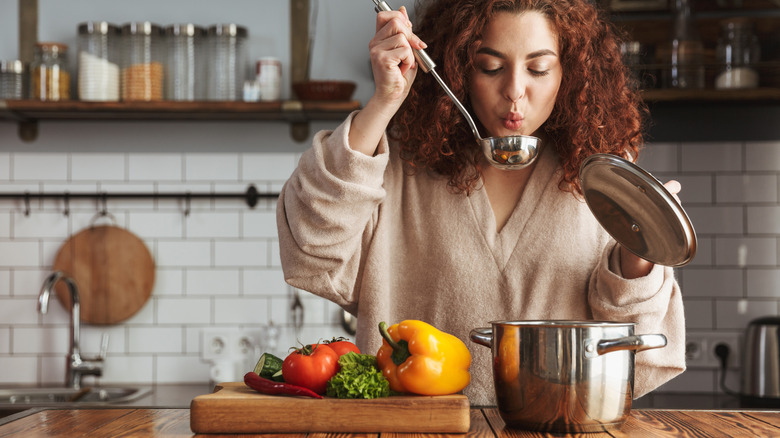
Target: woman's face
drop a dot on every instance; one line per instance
(518, 74)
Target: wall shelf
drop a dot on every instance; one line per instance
(710, 95)
(285, 111)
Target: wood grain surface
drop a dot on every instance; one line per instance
(485, 423)
(236, 408)
(113, 270)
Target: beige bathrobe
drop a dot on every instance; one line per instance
(387, 245)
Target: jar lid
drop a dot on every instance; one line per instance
(232, 30)
(98, 27)
(11, 66)
(52, 47)
(141, 28)
(185, 30)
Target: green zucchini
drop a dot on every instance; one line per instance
(277, 377)
(268, 365)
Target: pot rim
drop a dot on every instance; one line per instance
(563, 323)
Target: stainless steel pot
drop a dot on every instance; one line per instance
(564, 376)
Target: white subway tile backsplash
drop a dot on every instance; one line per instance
(5, 167)
(737, 314)
(763, 283)
(149, 225)
(716, 219)
(155, 167)
(182, 369)
(260, 224)
(18, 369)
(155, 339)
(238, 311)
(40, 167)
(763, 219)
(763, 156)
(99, 167)
(264, 282)
(220, 266)
(168, 282)
(659, 157)
(695, 188)
(245, 252)
(137, 369)
(15, 311)
(5, 340)
(39, 225)
(211, 167)
(267, 167)
(711, 157)
(28, 340)
(19, 254)
(216, 225)
(712, 283)
(744, 251)
(213, 282)
(183, 311)
(183, 253)
(746, 188)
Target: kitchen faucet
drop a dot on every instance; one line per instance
(77, 366)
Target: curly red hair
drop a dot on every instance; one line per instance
(597, 110)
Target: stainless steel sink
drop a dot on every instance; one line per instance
(57, 396)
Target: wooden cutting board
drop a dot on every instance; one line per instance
(236, 408)
(113, 270)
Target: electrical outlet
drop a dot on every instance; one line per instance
(700, 350)
(217, 343)
(245, 345)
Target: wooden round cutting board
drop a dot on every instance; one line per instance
(114, 272)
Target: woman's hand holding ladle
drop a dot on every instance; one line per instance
(394, 67)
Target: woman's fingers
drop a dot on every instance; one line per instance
(673, 187)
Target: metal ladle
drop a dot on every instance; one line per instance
(510, 152)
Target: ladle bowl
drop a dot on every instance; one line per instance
(510, 152)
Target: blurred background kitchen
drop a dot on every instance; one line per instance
(715, 128)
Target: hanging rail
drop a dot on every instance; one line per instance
(251, 196)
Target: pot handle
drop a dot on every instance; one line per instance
(637, 343)
(482, 336)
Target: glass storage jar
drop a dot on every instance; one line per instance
(49, 75)
(227, 64)
(98, 61)
(142, 62)
(684, 54)
(11, 79)
(185, 62)
(738, 50)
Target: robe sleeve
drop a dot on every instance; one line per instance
(654, 303)
(324, 215)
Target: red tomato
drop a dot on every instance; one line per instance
(311, 367)
(342, 346)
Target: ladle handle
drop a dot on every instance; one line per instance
(425, 61)
(427, 65)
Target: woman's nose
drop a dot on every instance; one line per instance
(514, 89)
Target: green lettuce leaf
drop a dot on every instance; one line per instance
(359, 377)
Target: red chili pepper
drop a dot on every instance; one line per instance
(267, 386)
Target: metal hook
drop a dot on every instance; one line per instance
(104, 201)
(66, 199)
(187, 203)
(26, 203)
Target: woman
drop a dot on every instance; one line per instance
(396, 214)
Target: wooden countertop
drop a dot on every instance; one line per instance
(485, 423)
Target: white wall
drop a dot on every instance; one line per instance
(234, 279)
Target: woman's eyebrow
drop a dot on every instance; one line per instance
(532, 55)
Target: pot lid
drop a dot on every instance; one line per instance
(637, 210)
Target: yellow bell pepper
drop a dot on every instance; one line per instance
(418, 358)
